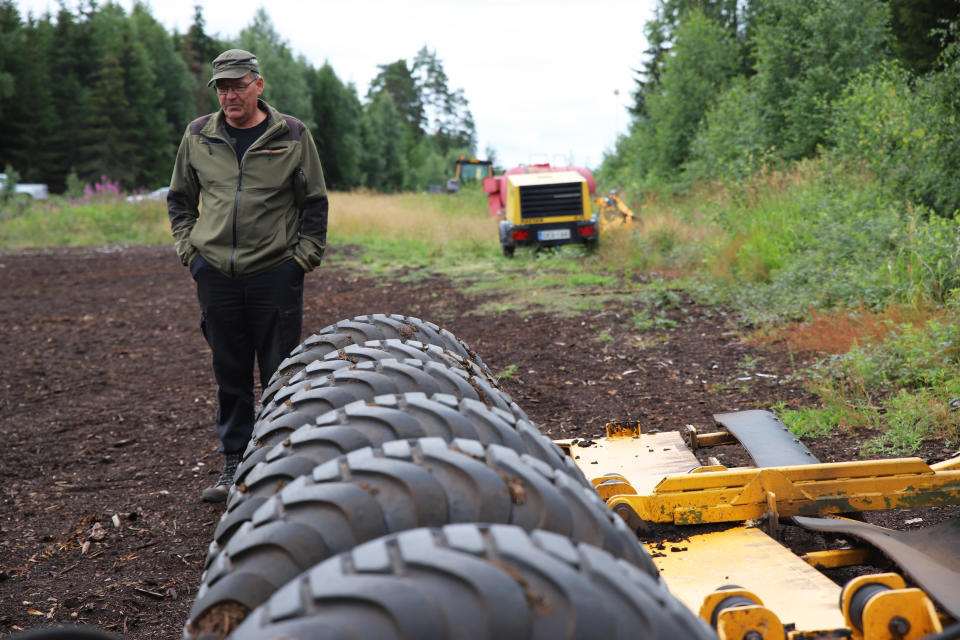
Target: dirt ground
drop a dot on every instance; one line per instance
(107, 404)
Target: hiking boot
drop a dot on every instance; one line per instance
(219, 491)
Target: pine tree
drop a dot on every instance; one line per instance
(108, 150)
(447, 114)
(171, 84)
(11, 41)
(29, 119)
(73, 59)
(386, 141)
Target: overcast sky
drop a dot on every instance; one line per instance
(546, 79)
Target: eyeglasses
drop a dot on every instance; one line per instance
(237, 89)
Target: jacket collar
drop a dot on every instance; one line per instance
(215, 127)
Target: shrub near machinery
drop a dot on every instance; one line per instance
(543, 206)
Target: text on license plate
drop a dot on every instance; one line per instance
(554, 234)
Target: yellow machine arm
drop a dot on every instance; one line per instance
(613, 212)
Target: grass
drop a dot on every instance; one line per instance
(510, 371)
(99, 221)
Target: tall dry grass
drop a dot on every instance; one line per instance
(669, 234)
(436, 220)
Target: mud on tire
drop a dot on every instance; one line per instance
(491, 581)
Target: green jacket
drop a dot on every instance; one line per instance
(249, 221)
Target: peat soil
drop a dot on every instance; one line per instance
(107, 403)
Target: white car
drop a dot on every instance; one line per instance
(156, 194)
(36, 191)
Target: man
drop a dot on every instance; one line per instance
(262, 225)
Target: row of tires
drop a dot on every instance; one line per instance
(392, 490)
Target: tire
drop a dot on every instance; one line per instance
(323, 346)
(331, 384)
(507, 250)
(361, 424)
(414, 349)
(403, 484)
(473, 581)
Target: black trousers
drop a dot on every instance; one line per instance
(241, 318)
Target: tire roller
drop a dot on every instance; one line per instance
(609, 578)
(403, 484)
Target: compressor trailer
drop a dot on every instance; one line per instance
(543, 206)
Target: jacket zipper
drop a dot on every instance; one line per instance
(236, 202)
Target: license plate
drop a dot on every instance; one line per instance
(554, 234)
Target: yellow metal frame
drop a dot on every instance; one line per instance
(838, 487)
(517, 180)
(655, 478)
(835, 558)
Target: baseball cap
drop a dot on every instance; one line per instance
(234, 63)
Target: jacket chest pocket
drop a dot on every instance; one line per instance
(268, 167)
(218, 168)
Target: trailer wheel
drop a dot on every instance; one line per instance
(478, 581)
(508, 250)
(266, 471)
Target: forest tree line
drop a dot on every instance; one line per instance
(731, 86)
(96, 91)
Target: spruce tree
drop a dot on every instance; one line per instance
(337, 112)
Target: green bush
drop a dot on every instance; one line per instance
(827, 240)
(730, 143)
(904, 128)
